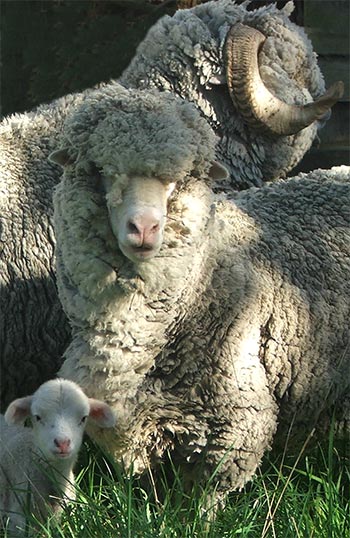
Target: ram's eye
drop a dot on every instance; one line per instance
(83, 420)
(37, 418)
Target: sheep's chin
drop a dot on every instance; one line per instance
(138, 255)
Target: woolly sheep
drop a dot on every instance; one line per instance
(188, 50)
(250, 73)
(232, 331)
(33, 328)
(37, 463)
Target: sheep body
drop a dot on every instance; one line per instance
(183, 54)
(33, 329)
(36, 471)
(238, 324)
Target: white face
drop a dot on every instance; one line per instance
(138, 215)
(59, 410)
(59, 421)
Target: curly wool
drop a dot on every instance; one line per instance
(34, 330)
(152, 135)
(238, 324)
(183, 54)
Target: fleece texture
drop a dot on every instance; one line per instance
(183, 54)
(236, 332)
(154, 135)
(33, 328)
(25, 476)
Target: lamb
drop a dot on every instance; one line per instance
(37, 463)
(33, 329)
(252, 74)
(212, 332)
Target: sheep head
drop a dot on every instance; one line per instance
(137, 209)
(138, 215)
(137, 218)
(142, 147)
(259, 107)
(251, 72)
(58, 411)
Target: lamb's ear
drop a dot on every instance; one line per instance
(61, 157)
(18, 410)
(101, 414)
(218, 171)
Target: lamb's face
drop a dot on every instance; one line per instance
(59, 413)
(137, 215)
(59, 410)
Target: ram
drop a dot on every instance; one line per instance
(252, 74)
(212, 331)
(36, 471)
(187, 55)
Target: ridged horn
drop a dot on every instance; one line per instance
(260, 108)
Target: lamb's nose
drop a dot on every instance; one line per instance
(63, 445)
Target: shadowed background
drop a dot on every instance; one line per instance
(54, 47)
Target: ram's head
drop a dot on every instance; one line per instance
(256, 103)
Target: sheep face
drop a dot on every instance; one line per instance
(137, 215)
(59, 410)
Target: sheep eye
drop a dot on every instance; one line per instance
(83, 420)
(37, 418)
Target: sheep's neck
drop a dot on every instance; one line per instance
(123, 340)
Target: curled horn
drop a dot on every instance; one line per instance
(259, 107)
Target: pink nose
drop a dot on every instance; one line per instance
(63, 445)
(143, 231)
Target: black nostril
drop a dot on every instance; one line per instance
(132, 228)
(65, 443)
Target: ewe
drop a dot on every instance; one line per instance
(36, 470)
(208, 329)
(193, 54)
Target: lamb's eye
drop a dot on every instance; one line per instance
(83, 420)
(37, 418)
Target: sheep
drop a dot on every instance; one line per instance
(33, 328)
(37, 463)
(252, 74)
(213, 332)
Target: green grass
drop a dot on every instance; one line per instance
(307, 497)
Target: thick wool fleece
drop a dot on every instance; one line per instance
(183, 54)
(33, 328)
(154, 135)
(96, 273)
(238, 324)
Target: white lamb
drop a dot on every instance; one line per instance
(36, 469)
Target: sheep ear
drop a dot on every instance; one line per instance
(101, 413)
(218, 171)
(18, 410)
(61, 157)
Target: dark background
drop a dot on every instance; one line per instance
(54, 47)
